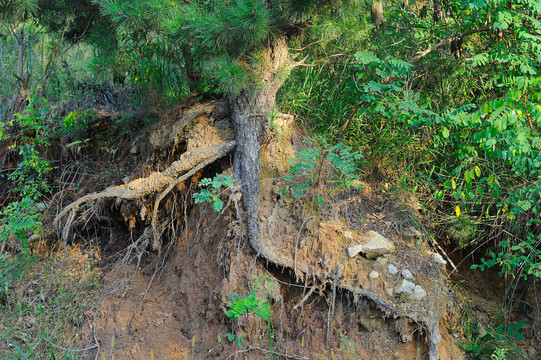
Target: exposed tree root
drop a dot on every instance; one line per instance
(188, 165)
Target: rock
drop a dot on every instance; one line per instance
(411, 234)
(382, 261)
(418, 293)
(405, 287)
(373, 275)
(439, 260)
(482, 330)
(354, 250)
(392, 269)
(406, 274)
(377, 245)
(348, 235)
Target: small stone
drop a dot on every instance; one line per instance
(482, 330)
(348, 235)
(418, 293)
(439, 260)
(373, 275)
(382, 261)
(134, 149)
(405, 287)
(376, 246)
(411, 234)
(406, 274)
(354, 250)
(392, 269)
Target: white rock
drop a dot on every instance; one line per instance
(406, 274)
(373, 275)
(392, 269)
(354, 250)
(348, 235)
(439, 260)
(405, 287)
(377, 245)
(418, 293)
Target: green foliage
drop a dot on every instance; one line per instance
(494, 168)
(44, 322)
(11, 269)
(308, 164)
(263, 286)
(495, 342)
(347, 346)
(240, 305)
(522, 259)
(28, 180)
(210, 194)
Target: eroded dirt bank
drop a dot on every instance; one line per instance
(166, 295)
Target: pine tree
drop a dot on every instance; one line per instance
(239, 47)
(74, 19)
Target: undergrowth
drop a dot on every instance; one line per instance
(45, 309)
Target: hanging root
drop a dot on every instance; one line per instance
(179, 171)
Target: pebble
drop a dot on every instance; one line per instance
(406, 274)
(405, 287)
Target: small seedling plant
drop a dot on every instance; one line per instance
(211, 190)
(307, 166)
(240, 305)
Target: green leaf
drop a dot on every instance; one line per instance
(445, 133)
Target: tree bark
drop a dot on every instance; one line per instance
(21, 78)
(193, 76)
(377, 13)
(437, 15)
(251, 110)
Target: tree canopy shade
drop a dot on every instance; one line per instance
(238, 48)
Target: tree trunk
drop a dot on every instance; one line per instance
(377, 13)
(437, 11)
(193, 76)
(21, 78)
(251, 111)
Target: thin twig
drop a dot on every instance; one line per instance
(305, 297)
(446, 41)
(96, 340)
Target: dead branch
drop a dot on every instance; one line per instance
(305, 297)
(190, 173)
(151, 184)
(302, 62)
(448, 41)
